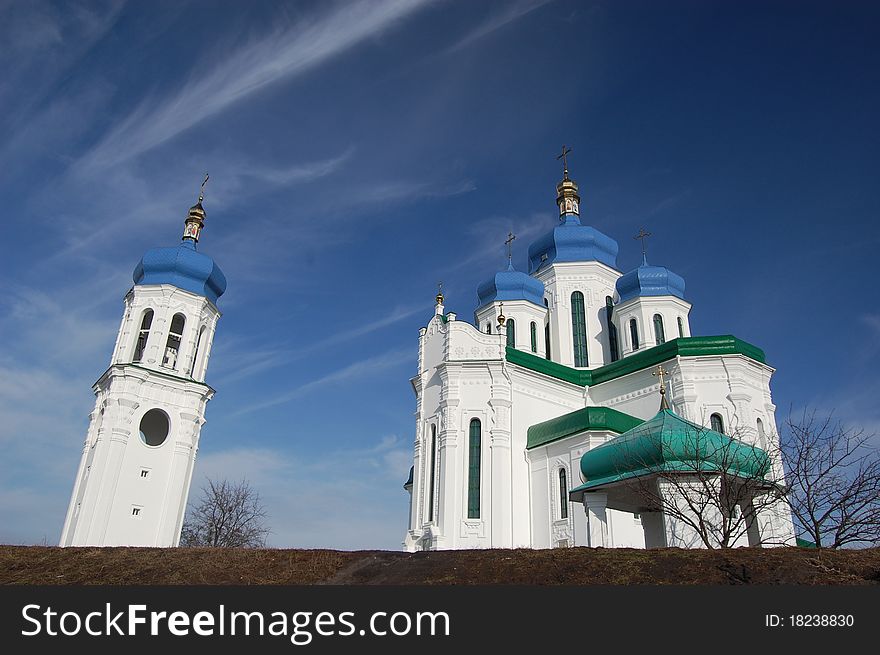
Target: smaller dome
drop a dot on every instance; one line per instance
(183, 267)
(650, 281)
(511, 285)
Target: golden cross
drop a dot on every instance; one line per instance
(439, 293)
(565, 152)
(660, 373)
(510, 237)
(202, 190)
(642, 235)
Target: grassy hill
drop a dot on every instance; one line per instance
(572, 566)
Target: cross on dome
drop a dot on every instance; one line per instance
(660, 373)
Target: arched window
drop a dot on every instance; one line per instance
(488, 328)
(192, 366)
(143, 335)
(172, 346)
(547, 341)
(762, 439)
(533, 332)
(659, 334)
(634, 333)
(717, 423)
(474, 448)
(680, 327)
(563, 495)
(511, 333)
(613, 346)
(579, 328)
(432, 475)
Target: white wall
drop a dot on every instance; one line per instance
(110, 483)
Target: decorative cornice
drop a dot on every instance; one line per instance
(680, 347)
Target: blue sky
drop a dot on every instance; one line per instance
(359, 153)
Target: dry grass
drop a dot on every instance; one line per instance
(573, 566)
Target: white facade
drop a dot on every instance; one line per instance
(134, 475)
(466, 378)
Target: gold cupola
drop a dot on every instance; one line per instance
(567, 198)
(195, 219)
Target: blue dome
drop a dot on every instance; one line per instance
(511, 285)
(650, 281)
(183, 267)
(572, 242)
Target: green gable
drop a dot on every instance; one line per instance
(588, 418)
(681, 347)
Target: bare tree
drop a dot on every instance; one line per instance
(713, 490)
(228, 515)
(834, 475)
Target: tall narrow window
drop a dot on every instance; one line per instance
(431, 477)
(634, 333)
(192, 366)
(474, 447)
(659, 334)
(762, 440)
(563, 495)
(533, 330)
(511, 333)
(547, 341)
(488, 328)
(172, 346)
(680, 327)
(143, 335)
(579, 328)
(613, 346)
(717, 423)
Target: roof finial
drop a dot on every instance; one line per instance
(202, 190)
(567, 198)
(565, 151)
(660, 373)
(195, 220)
(642, 235)
(510, 238)
(439, 297)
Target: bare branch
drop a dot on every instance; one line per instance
(227, 516)
(834, 474)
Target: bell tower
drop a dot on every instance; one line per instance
(134, 475)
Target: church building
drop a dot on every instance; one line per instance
(523, 417)
(137, 461)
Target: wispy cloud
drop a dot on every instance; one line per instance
(282, 176)
(873, 322)
(267, 359)
(511, 12)
(308, 504)
(281, 55)
(41, 41)
(351, 372)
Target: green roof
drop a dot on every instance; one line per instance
(681, 347)
(669, 443)
(588, 418)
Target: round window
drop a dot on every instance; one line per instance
(154, 427)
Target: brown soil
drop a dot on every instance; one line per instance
(572, 566)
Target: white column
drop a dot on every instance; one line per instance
(595, 505)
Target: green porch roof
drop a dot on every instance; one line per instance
(669, 443)
(682, 347)
(588, 418)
